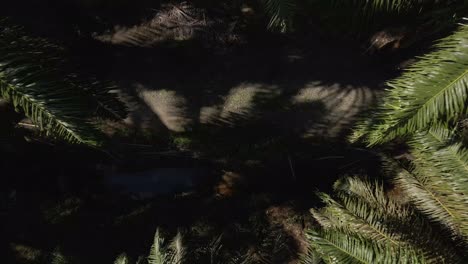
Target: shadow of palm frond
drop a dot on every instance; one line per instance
(317, 111)
(168, 106)
(343, 106)
(241, 104)
(256, 116)
(172, 23)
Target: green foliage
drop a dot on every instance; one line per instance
(438, 183)
(362, 219)
(34, 78)
(336, 246)
(159, 254)
(357, 217)
(432, 91)
(362, 223)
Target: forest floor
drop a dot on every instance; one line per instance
(269, 117)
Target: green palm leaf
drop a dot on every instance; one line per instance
(33, 78)
(424, 195)
(435, 89)
(438, 185)
(355, 217)
(157, 253)
(336, 246)
(370, 192)
(362, 208)
(172, 254)
(446, 155)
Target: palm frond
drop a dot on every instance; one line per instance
(438, 183)
(157, 253)
(103, 96)
(363, 208)
(356, 217)
(172, 254)
(336, 246)
(32, 77)
(442, 152)
(311, 257)
(370, 192)
(429, 201)
(177, 250)
(281, 13)
(435, 89)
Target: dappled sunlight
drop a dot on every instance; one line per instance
(240, 101)
(172, 22)
(209, 113)
(314, 91)
(319, 110)
(342, 105)
(168, 106)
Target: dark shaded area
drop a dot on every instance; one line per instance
(60, 200)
